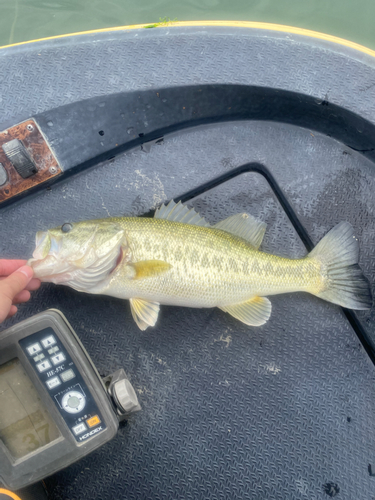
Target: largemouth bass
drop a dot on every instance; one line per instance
(177, 258)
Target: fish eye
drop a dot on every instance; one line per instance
(65, 228)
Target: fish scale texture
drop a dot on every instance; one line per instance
(282, 411)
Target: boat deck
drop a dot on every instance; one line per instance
(228, 120)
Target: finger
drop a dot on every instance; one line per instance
(8, 267)
(21, 297)
(12, 312)
(15, 283)
(33, 285)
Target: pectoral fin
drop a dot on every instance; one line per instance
(144, 313)
(149, 268)
(254, 312)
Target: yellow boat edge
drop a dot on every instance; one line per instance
(238, 24)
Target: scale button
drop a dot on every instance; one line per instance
(34, 349)
(53, 350)
(53, 382)
(44, 365)
(78, 429)
(59, 358)
(73, 402)
(39, 357)
(48, 341)
(93, 421)
(67, 375)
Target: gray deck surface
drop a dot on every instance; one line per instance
(283, 411)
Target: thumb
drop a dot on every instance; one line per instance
(16, 282)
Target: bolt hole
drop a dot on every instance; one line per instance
(141, 135)
(101, 132)
(6, 191)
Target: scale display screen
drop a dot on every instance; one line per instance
(54, 406)
(25, 423)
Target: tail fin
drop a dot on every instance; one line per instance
(338, 251)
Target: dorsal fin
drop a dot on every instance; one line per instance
(245, 226)
(177, 212)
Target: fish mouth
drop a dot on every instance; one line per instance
(82, 271)
(42, 261)
(42, 245)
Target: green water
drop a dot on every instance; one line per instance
(22, 20)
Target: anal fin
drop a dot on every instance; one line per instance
(144, 312)
(254, 312)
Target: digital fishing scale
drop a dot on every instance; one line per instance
(54, 406)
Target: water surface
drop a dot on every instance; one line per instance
(22, 20)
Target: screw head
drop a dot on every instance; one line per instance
(53, 170)
(29, 127)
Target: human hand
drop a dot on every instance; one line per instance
(16, 282)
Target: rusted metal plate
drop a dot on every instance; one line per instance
(40, 153)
